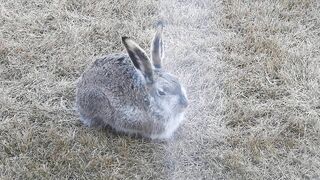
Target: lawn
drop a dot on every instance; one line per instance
(251, 70)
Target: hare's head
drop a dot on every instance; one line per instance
(166, 93)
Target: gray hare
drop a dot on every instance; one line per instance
(132, 94)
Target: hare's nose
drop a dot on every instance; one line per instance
(184, 101)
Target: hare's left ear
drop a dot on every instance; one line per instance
(139, 58)
(157, 52)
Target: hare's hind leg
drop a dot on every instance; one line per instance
(91, 103)
(92, 122)
(87, 121)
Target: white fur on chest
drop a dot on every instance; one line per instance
(133, 114)
(170, 127)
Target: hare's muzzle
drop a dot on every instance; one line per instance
(183, 101)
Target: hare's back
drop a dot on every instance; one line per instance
(115, 61)
(113, 72)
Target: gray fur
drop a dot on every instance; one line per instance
(157, 47)
(115, 92)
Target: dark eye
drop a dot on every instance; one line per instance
(161, 93)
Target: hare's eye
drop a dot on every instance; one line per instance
(161, 93)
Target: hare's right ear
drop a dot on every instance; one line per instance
(157, 47)
(139, 58)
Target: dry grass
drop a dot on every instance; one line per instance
(251, 69)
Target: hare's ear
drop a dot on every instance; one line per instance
(139, 58)
(157, 52)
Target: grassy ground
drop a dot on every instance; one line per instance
(251, 69)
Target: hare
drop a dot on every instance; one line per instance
(132, 94)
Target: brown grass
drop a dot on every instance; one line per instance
(252, 72)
